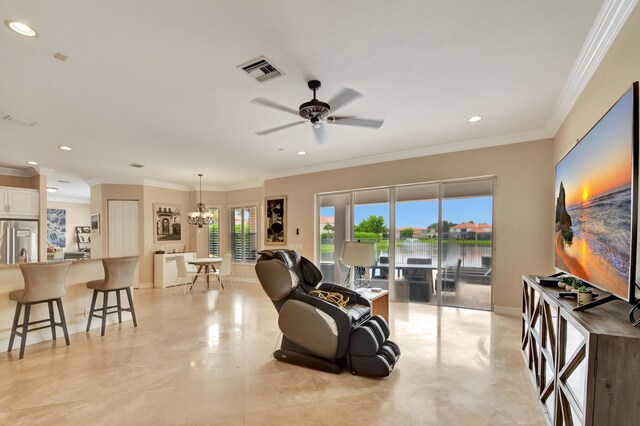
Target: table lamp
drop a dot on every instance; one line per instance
(357, 256)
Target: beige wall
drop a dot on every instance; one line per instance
(523, 202)
(77, 215)
(619, 68)
(161, 195)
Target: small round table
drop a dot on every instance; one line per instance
(208, 264)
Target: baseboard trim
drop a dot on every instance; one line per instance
(507, 310)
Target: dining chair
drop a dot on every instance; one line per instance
(225, 270)
(186, 274)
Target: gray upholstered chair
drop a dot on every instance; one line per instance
(118, 276)
(43, 282)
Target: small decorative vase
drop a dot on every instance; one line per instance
(568, 287)
(561, 285)
(584, 297)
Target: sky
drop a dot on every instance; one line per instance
(602, 160)
(423, 213)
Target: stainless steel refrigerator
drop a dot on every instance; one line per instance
(18, 241)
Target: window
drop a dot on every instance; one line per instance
(214, 234)
(243, 233)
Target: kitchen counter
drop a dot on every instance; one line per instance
(76, 302)
(17, 265)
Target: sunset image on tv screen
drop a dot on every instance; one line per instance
(594, 203)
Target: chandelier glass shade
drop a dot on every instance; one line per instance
(201, 216)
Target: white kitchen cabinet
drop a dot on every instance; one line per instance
(19, 203)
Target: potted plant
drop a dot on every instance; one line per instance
(52, 249)
(585, 295)
(571, 283)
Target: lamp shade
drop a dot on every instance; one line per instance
(358, 254)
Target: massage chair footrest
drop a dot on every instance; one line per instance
(370, 353)
(307, 360)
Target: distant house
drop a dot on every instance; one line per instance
(471, 231)
(419, 232)
(324, 221)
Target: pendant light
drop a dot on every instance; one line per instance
(201, 216)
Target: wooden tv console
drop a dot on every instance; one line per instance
(585, 366)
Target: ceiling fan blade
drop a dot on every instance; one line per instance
(318, 131)
(343, 97)
(275, 129)
(274, 105)
(353, 121)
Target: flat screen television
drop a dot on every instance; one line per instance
(596, 202)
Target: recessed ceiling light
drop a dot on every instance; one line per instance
(280, 149)
(474, 119)
(64, 181)
(52, 189)
(65, 148)
(301, 153)
(33, 163)
(21, 28)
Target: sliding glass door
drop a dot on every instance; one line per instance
(433, 241)
(416, 245)
(467, 244)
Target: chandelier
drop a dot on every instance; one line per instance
(201, 216)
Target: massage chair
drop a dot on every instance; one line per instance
(318, 333)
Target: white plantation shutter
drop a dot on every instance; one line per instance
(243, 233)
(214, 234)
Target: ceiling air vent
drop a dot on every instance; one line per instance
(261, 69)
(137, 166)
(19, 121)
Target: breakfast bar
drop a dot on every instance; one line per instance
(76, 302)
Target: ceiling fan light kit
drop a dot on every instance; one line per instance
(317, 112)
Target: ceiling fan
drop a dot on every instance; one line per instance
(317, 112)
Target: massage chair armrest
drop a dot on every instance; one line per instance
(340, 316)
(354, 296)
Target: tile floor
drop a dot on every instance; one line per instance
(204, 359)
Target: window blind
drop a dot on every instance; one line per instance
(214, 234)
(243, 233)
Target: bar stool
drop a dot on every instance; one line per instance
(43, 282)
(118, 276)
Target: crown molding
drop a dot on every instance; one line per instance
(13, 171)
(442, 148)
(608, 23)
(63, 199)
(165, 185)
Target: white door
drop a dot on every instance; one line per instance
(123, 228)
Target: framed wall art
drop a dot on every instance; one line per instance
(167, 221)
(57, 227)
(95, 224)
(276, 220)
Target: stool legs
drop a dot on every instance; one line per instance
(105, 306)
(119, 306)
(14, 328)
(105, 301)
(24, 327)
(93, 307)
(63, 321)
(133, 309)
(52, 319)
